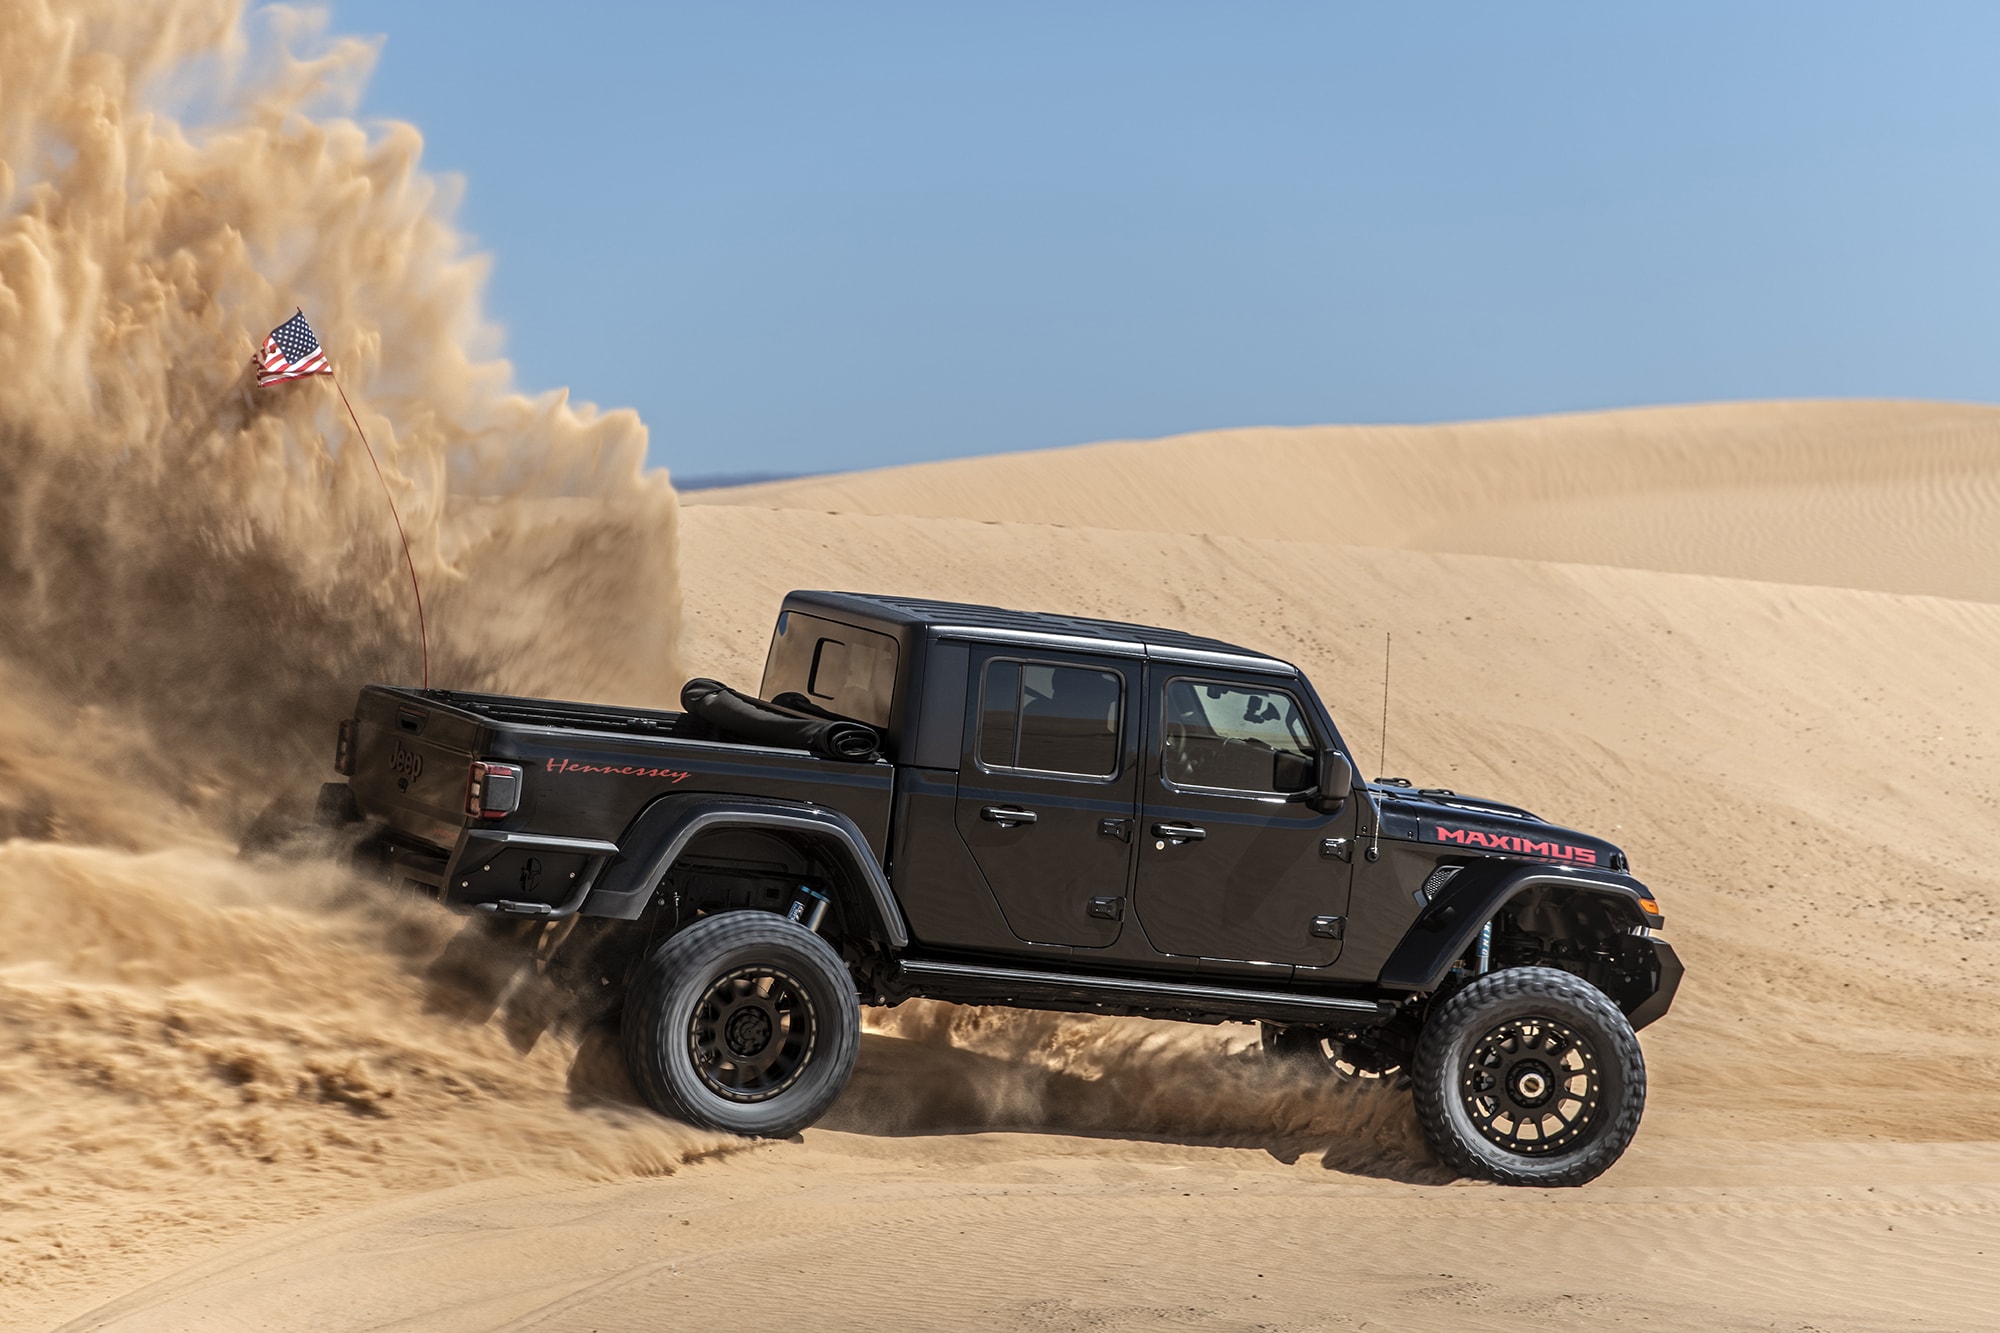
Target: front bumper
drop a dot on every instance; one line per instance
(1653, 1006)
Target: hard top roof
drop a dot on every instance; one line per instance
(921, 611)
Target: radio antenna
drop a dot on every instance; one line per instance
(1382, 761)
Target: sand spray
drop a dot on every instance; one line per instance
(196, 574)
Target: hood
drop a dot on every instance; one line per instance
(1467, 824)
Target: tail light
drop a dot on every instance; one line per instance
(492, 791)
(343, 749)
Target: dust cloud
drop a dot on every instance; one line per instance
(214, 564)
(196, 574)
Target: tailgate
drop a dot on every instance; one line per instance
(411, 761)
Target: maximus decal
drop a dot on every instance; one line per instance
(627, 771)
(1509, 842)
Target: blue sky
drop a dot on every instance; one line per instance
(813, 237)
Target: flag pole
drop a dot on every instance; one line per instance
(423, 632)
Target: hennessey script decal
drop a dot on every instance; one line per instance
(626, 771)
(1509, 842)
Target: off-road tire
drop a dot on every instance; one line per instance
(673, 1016)
(1465, 1066)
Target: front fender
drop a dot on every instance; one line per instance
(662, 831)
(1440, 936)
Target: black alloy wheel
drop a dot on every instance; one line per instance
(751, 1035)
(1307, 1049)
(743, 1022)
(1531, 1085)
(1529, 1076)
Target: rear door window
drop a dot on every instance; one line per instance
(1046, 718)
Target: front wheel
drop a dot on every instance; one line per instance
(1529, 1076)
(743, 1022)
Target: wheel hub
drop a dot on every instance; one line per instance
(749, 1030)
(1532, 1083)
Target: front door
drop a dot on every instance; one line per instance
(1236, 861)
(1046, 790)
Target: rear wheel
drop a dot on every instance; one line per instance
(743, 1022)
(1529, 1076)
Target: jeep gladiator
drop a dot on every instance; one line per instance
(992, 807)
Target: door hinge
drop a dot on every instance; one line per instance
(1329, 927)
(1107, 909)
(1120, 829)
(1336, 849)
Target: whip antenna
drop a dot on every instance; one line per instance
(1382, 761)
(292, 352)
(423, 631)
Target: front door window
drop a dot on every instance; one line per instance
(1237, 738)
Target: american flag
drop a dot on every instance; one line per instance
(292, 353)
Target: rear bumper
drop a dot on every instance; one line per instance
(523, 874)
(1653, 1006)
(405, 864)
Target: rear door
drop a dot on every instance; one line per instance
(1046, 790)
(1235, 861)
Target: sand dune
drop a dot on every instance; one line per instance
(1803, 773)
(1900, 497)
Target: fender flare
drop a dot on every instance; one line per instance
(662, 831)
(1448, 926)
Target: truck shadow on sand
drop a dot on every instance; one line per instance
(904, 1088)
(1171, 1086)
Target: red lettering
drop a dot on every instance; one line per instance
(627, 770)
(1507, 842)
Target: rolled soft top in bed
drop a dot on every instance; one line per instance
(757, 720)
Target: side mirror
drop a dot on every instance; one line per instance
(1336, 779)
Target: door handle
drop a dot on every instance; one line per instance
(1180, 832)
(1006, 816)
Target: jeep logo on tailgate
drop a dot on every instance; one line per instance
(408, 763)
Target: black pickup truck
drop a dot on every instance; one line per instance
(993, 807)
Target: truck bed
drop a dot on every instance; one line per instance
(588, 772)
(568, 714)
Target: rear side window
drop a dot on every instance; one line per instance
(1046, 718)
(843, 668)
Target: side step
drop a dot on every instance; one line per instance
(971, 983)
